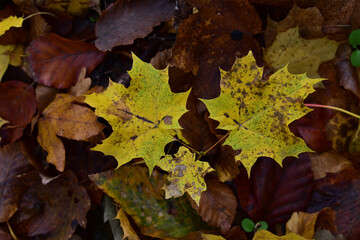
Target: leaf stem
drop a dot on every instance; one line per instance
(186, 145)
(217, 142)
(38, 13)
(332, 108)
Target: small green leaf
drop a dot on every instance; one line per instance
(354, 38)
(355, 58)
(248, 225)
(261, 225)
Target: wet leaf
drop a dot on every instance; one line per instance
(141, 115)
(63, 117)
(57, 62)
(202, 46)
(124, 21)
(186, 174)
(14, 170)
(301, 55)
(260, 126)
(143, 199)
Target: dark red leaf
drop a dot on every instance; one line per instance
(57, 62)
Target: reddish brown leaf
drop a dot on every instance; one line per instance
(217, 204)
(124, 21)
(204, 41)
(312, 128)
(57, 62)
(225, 164)
(18, 106)
(276, 192)
(53, 210)
(14, 168)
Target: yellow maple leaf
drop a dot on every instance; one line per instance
(186, 175)
(258, 112)
(142, 116)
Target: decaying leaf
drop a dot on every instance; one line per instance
(63, 117)
(9, 22)
(14, 170)
(185, 174)
(124, 21)
(301, 55)
(204, 41)
(143, 199)
(56, 61)
(254, 111)
(142, 116)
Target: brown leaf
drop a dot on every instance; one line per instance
(14, 169)
(18, 106)
(217, 204)
(83, 84)
(65, 118)
(328, 162)
(309, 21)
(53, 210)
(303, 223)
(204, 42)
(276, 192)
(124, 21)
(225, 164)
(56, 61)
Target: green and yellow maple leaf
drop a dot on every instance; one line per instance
(143, 116)
(186, 175)
(258, 112)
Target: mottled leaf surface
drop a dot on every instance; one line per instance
(185, 174)
(143, 199)
(142, 116)
(258, 113)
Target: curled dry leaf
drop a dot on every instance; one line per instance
(56, 61)
(124, 21)
(129, 232)
(83, 84)
(18, 106)
(202, 46)
(63, 203)
(65, 118)
(304, 224)
(14, 172)
(217, 204)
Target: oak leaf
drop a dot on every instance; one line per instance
(185, 174)
(63, 117)
(142, 116)
(258, 113)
